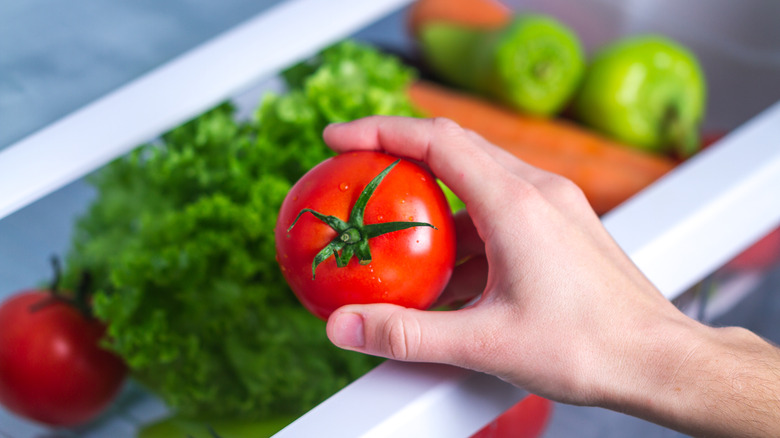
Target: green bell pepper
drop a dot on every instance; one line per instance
(534, 64)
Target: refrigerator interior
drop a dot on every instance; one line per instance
(737, 42)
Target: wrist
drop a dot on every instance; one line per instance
(652, 362)
(699, 379)
(664, 365)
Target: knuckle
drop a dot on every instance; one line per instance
(567, 190)
(564, 185)
(402, 336)
(473, 135)
(523, 189)
(559, 190)
(446, 127)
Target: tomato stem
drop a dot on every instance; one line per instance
(679, 137)
(80, 301)
(55, 282)
(353, 235)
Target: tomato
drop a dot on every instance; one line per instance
(409, 264)
(526, 419)
(761, 255)
(710, 138)
(52, 369)
(764, 253)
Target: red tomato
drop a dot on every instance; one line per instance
(708, 138)
(51, 367)
(761, 255)
(526, 419)
(408, 267)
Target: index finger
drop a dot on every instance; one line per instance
(452, 155)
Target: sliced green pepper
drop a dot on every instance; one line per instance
(534, 64)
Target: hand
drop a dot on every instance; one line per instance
(563, 312)
(557, 294)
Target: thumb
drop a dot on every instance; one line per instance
(400, 333)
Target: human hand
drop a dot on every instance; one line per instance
(563, 311)
(558, 295)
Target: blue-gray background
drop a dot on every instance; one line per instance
(56, 56)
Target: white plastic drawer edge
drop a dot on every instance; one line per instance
(409, 400)
(677, 231)
(707, 210)
(171, 94)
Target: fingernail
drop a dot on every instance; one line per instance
(348, 330)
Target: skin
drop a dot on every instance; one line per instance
(563, 312)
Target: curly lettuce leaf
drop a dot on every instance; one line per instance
(179, 242)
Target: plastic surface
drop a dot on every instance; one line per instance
(677, 231)
(59, 56)
(173, 93)
(705, 211)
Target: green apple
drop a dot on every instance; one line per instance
(534, 64)
(645, 91)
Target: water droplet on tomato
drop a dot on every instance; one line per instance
(411, 218)
(295, 198)
(403, 201)
(380, 217)
(422, 178)
(343, 187)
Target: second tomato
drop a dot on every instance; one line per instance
(52, 367)
(360, 228)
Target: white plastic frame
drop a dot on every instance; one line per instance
(697, 217)
(171, 94)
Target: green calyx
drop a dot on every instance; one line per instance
(353, 235)
(80, 301)
(677, 134)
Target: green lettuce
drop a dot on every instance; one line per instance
(179, 244)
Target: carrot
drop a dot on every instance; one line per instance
(489, 14)
(608, 172)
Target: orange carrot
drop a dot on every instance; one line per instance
(608, 172)
(471, 13)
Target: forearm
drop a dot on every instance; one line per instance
(708, 382)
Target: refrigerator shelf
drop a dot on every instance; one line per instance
(677, 231)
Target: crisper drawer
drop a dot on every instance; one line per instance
(680, 231)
